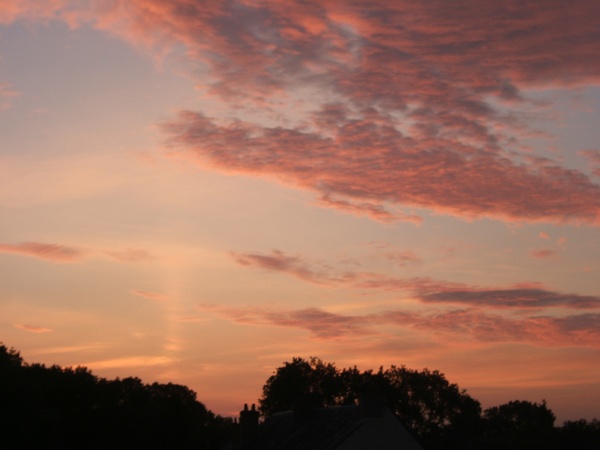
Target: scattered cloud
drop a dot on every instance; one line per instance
(189, 319)
(49, 252)
(279, 262)
(522, 295)
(542, 254)
(321, 324)
(7, 94)
(384, 116)
(390, 168)
(149, 295)
(374, 211)
(513, 298)
(404, 258)
(130, 255)
(130, 361)
(32, 329)
(456, 325)
(68, 254)
(71, 349)
(593, 157)
(299, 267)
(544, 235)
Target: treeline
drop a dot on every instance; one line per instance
(70, 408)
(439, 414)
(64, 408)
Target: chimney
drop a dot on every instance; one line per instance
(248, 426)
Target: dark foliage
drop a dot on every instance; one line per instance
(440, 414)
(520, 425)
(54, 408)
(70, 408)
(580, 435)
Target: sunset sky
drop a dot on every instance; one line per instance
(197, 191)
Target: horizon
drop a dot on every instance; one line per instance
(195, 192)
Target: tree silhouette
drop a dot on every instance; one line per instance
(432, 408)
(580, 435)
(51, 407)
(521, 425)
(71, 408)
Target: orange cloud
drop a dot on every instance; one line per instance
(7, 94)
(513, 298)
(149, 295)
(130, 255)
(48, 252)
(593, 156)
(130, 361)
(407, 111)
(33, 329)
(542, 253)
(280, 262)
(455, 325)
(365, 161)
(521, 296)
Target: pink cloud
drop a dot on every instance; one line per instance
(33, 329)
(149, 295)
(445, 176)
(299, 267)
(527, 295)
(7, 94)
(404, 258)
(374, 211)
(593, 156)
(49, 252)
(130, 255)
(542, 254)
(524, 297)
(279, 262)
(455, 325)
(407, 112)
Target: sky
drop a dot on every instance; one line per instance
(195, 192)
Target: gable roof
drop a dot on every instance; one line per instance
(339, 428)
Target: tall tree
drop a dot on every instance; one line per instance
(521, 425)
(298, 378)
(434, 409)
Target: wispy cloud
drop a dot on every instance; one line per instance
(149, 295)
(33, 329)
(50, 252)
(130, 255)
(428, 290)
(542, 253)
(457, 325)
(593, 156)
(404, 258)
(280, 262)
(130, 361)
(7, 94)
(321, 324)
(513, 298)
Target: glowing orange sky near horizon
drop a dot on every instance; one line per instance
(196, 192)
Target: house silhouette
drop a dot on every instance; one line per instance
(369, 425)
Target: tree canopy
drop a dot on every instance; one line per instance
(437, 412)
(71, 408)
